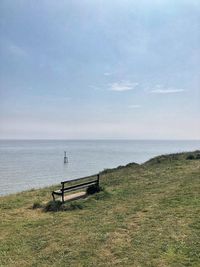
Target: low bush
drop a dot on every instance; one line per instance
(105, 171)
(190, 157)
(92, 189)
(56, 206)
(53, 206)
(198, 156)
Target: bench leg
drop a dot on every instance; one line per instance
(98, 176)
(63, 197)
(53, 196)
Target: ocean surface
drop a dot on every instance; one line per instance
(38, 163)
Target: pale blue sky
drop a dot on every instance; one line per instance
(100, 69)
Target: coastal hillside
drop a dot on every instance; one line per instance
(146, 215)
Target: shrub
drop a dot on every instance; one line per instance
(105, 171)
(92, 189)
(59, 206)
(198, 156)
(132, 164)
(53, 206)
(190, 157)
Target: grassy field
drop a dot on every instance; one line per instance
(148, 215)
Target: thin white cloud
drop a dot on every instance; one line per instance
(134, 106)
(17, 50)
(123, 86)
(107, 73)
(94, 87)
(167, 91)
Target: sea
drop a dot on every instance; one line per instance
(29, 164)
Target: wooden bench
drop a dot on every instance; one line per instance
(82, 183)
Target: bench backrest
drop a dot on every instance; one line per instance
(82, 182)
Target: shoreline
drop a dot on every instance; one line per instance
(106, 171)
(26, 165)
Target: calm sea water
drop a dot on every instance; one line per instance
(34, 164)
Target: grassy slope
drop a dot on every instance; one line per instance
(150, 217)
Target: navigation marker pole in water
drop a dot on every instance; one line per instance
(65, 157)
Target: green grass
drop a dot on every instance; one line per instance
(148, 215)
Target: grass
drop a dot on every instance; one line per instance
(147, 216)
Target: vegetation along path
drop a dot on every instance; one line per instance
(147, 215)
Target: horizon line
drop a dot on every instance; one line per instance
(95, 139)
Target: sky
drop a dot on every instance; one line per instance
(100, 69)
